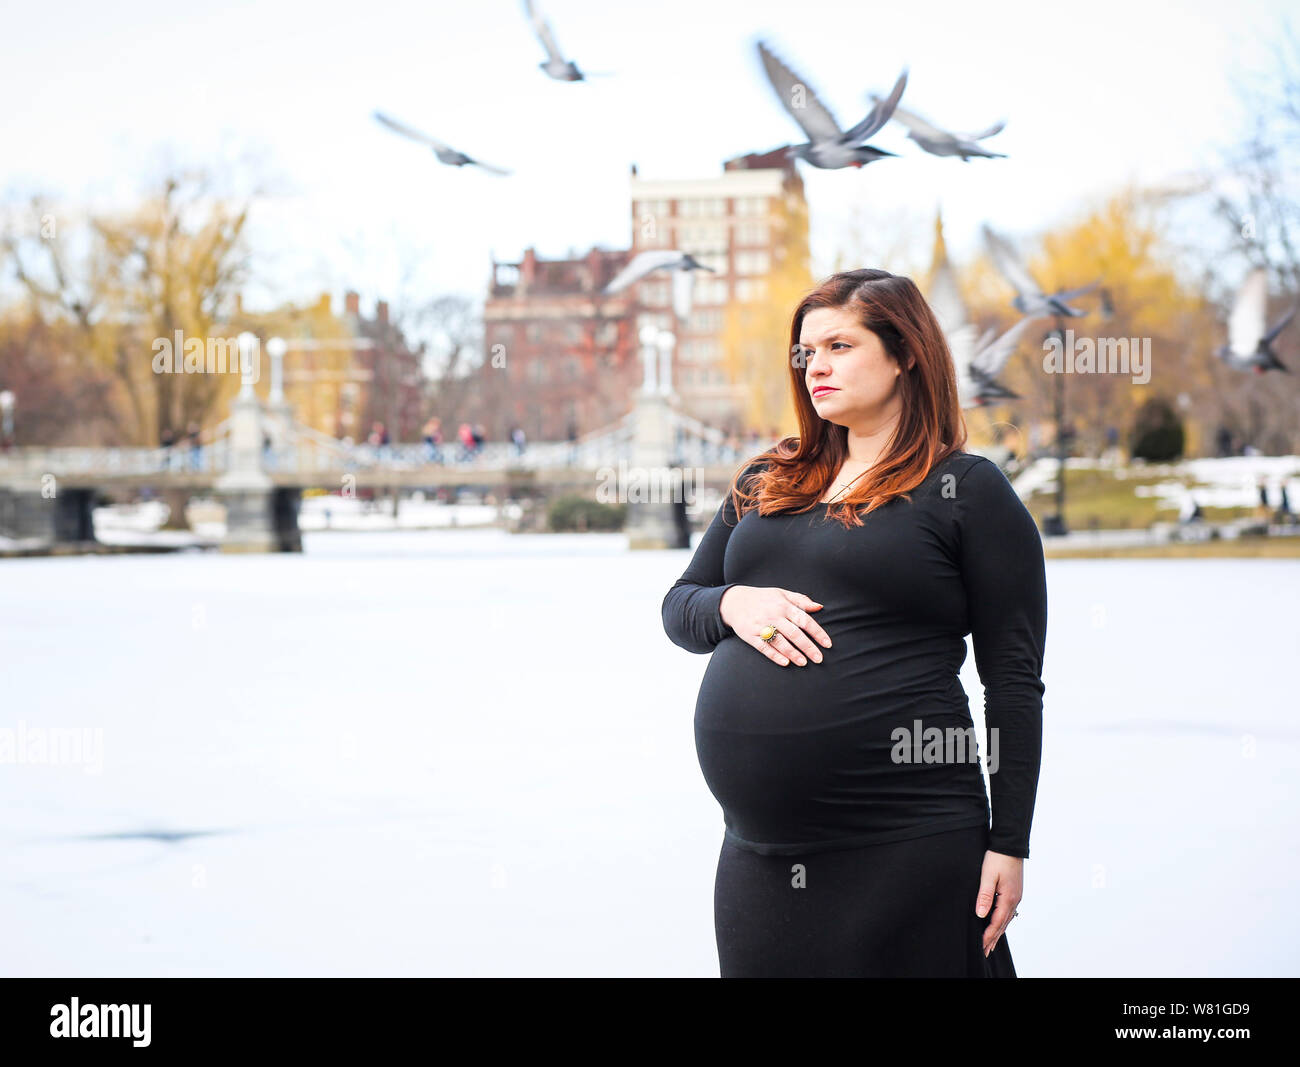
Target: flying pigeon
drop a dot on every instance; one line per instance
(980, 360)
(942, 142)
(445, 153)
(682, 264)
(828, 147)
(556, 66)
(1030, 299)
(1248, 344)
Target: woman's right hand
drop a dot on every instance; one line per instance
(750, 609)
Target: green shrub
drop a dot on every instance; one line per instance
(582, 514)
(1157, 432)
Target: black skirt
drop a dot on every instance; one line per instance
(905, 909)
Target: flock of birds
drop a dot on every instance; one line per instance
(979, 359)
(828, 146)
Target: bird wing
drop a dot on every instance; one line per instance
(1247, 322)
(878, 115)
(915, 123)
(488, 166)
(992, 357)
(411, 132)
(1280, 325)
(1070, 294)
(641, 265)
(997, 127)
(945, 299)
(1006, 260)
(961, 343)
(543, 30)
(689, 262)
(813, 117)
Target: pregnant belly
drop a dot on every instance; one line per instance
(804, 754)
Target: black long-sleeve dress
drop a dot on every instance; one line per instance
(855, 811)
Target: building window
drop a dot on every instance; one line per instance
(707, 351)
(716, 260)
(752, 262)
(656, 294)
(710, 291)
(706, 320)
(652, 232)
(752, 233)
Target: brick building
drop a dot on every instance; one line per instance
(571, 355)
(344, 372)
(559, 356)
(742, 224)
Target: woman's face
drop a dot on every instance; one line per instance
(851, 378)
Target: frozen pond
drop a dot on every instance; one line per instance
(466, 753)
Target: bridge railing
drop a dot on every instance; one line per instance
(303, 449)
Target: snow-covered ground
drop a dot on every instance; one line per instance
(334, 512)
(1230, 482)
(467, 753)
(140, 523)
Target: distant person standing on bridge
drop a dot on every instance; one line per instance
(466, 437)
(433, 440)
(520, 440)
(168, 441)
(196, 446)
(479, 436)
(379, 439)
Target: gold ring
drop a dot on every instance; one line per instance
(767, 633)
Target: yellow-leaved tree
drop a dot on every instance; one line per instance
(756, 330)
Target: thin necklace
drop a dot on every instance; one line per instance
(845, 485)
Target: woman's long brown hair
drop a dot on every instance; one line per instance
(930, 427)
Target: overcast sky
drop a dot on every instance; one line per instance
(99, 96)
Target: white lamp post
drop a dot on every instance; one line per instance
(247, 355)
(649, 338)
(275, 348)
(665, 342)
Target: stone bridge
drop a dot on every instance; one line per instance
(260, 460)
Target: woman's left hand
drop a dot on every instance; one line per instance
(1002, 879)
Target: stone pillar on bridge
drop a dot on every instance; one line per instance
(660, 521)
(259, 517)
(41, 511)
(278, 418)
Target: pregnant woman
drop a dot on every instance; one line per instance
(835, 588)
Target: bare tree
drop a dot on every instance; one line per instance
(1257, 197)
(122, 281)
